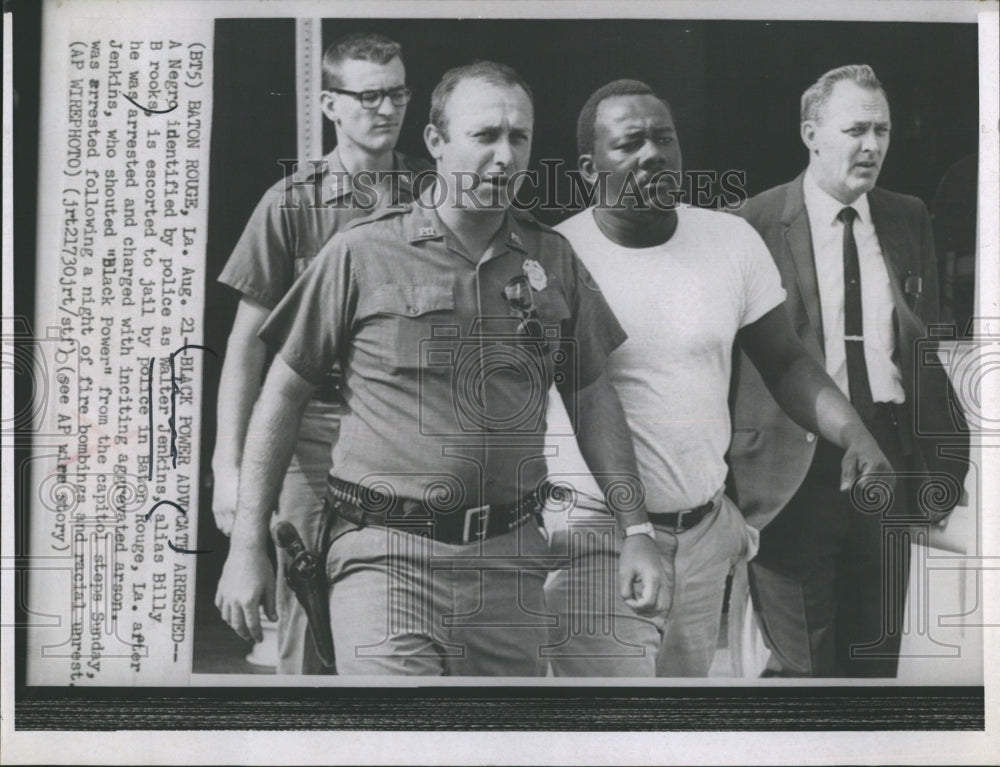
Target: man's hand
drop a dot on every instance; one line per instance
(645, 585)
(247, 582)
(224, 491)
(606, 445)
(809, 396)
(863, 456)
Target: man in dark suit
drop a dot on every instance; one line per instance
(857, 262)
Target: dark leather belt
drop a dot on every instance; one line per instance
(364, 506)
(679, 521)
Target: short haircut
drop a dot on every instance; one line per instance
(587, 121)
(492, 72)
(360, 46)
(818, 94)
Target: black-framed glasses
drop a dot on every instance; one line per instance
(399, 97)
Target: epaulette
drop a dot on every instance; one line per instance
(524, 217)
(379, 215)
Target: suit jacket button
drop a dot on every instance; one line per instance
(810, 437)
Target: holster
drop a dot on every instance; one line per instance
(306, 575)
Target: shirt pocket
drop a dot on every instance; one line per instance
(557, 352)
(552, 312)
(407, 317)
(551, 305)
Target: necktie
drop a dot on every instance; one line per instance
(854, 342)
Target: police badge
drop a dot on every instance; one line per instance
(535, 274)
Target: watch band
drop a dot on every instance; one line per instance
(644, 528)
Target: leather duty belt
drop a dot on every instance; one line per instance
(366, 507)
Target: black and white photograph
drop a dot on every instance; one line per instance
(429, 369)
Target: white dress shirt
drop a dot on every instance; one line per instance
(876, 292)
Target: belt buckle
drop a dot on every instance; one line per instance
(678, 528)
(483, 513)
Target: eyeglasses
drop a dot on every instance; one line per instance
(521, 301)
(399, 97)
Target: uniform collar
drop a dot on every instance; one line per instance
(514, 236)
(824, 208)
(337, 181)
(425, 224)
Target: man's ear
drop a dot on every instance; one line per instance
(434, 140)
(327, 102)
(587, 168)
(807, 130)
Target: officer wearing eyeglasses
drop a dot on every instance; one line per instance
(452, 316)
(365, 97)
(374, 99)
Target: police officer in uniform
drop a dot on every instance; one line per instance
(451, 317)
(365, 96)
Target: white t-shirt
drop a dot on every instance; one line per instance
(681, 304)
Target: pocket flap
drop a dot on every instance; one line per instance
(410, 300)
(551, 307)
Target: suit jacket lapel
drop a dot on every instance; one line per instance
(798, 240)
(907, 324)
(893, 244)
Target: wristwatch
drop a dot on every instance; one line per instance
(645, 528)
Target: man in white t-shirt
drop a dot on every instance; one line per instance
(685, 284)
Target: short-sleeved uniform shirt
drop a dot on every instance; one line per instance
(296, 217)
(446, 396)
